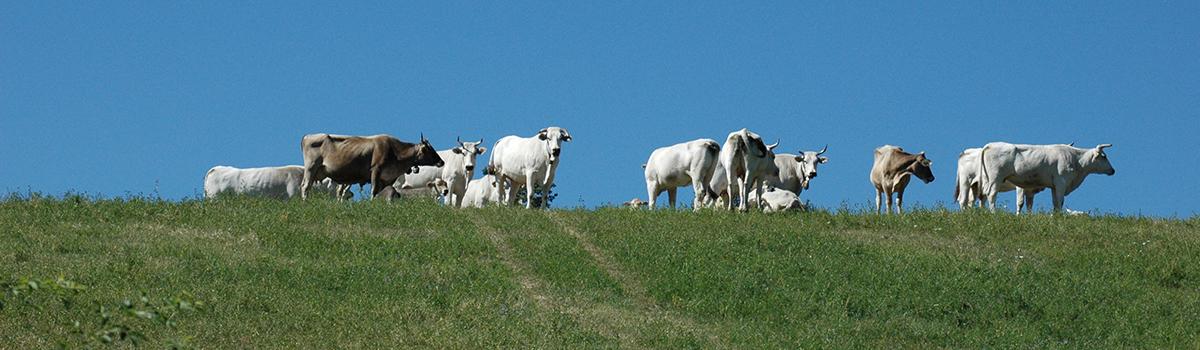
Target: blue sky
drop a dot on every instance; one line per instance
(126, 97)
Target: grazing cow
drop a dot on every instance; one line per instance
(966, 187)
(776, 200)
(747, 163)
(1061, 168)
(528, 162)
(688, 163)
(458, 171)
(274, 182)
(890, 174)
(795, 171)
(378, 159)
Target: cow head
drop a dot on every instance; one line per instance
(552, 138)
(469, 150)
(921, 168)
(1096, 161)
(439, 187)
(808, 165)
(426, 155)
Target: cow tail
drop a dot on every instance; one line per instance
(983, 175)
(956, 191)
(714, 151)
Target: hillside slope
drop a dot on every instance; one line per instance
(321, 274)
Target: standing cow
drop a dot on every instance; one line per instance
(796, 171)
(458, 171)
(966, 186)
(274, 182)
(378, 159)
(528, 162)
(688, 163)
(890, 174)
(747, 162)
(1061, 168)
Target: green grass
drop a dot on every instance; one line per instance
(321, 274)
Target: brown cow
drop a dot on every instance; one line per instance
(890, 174)
(378, 159)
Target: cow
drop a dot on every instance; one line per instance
(458, 171)
(796, 171)
(482, 191)
(527, 162)
(634, 203)
(689, 163)
(275, 182)
(378, 159)
(890, 174)
(776, 200)
(747, 162)
(1061, 168)
(966, 186)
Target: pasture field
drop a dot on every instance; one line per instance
(247, 273)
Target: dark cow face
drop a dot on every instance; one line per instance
(470, 150)
(552, 138)
(426, 155)
(921, 168)
(1099, 161)
(808, 165)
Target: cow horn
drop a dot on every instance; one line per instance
(1103, 146)
(823, 150)
(1072, 144)
(773, 145)
(481, 140)
(422, 137)
(458, 139)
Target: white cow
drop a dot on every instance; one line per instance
(528, 162)
(1061, 168)
(688, 163)
(796, 171)
(777, 200)
(457, 171)
(966, 186)
(481, 192)
(747, 163)
(274, 182)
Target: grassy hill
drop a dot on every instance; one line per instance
(245, 273)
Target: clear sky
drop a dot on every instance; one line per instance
(118, 98)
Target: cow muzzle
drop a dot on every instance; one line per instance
(812, 174)
(556, 152)
(470, 168)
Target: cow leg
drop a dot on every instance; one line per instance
(743, 204)
(701, 189)
(879, 200)
(1060, 194)
(730, 183)
(651, 194)
(1028, 195)
(305, 184)
(671, 195)
(529, 189)
(888, 209)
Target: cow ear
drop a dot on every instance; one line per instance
(457, 150)
(480, 150)
(822, 159)
(565, 136)
(800, 158)
(542, 135)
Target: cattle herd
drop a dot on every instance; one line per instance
(742, 173)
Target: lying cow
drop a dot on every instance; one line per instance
(777, 200)
(482, 191)
(274, 182)
(458, 171)
(528, 162)
(890, 174)
(689, 163)
(747, 162)
(1061, 168)
(378, 159)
